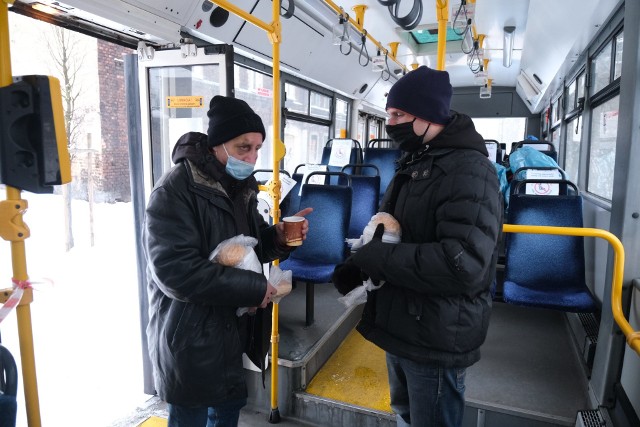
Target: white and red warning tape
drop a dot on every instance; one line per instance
(14, 299)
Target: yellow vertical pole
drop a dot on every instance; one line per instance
(18, 256)
(442, 12)
(278, 154)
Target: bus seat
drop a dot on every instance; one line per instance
(544, 147)
(546, 271)
(8, 388)
(291, 203)
(366, 191)
(325, 245)
(381, 142)
(354, 158)
(385, 159)
(495, 150)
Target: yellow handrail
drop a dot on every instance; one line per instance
(442, 12)
(18, 253)
(274, 32)
(633, 337)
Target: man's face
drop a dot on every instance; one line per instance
(244, 147)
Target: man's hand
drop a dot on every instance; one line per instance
(271, 292)
(347, 276)
(370, 252)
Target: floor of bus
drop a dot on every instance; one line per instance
(529, 367)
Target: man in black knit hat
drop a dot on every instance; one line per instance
(196, 340)
(432, 314)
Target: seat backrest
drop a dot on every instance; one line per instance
(355, 157)
(385, 159)
(329, 222)
(8, 388)
(544, 147)
(291, 203)
(553, 177)
(549, 270)
(380, 143)
(494, 149)
(364, 205)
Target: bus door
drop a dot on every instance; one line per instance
(167, 95)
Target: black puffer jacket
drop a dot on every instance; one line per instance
(435, 306)
(193, 332)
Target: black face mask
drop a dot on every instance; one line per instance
(405, 138)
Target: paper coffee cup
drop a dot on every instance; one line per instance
(293, 230)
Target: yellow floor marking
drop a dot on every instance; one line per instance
(154, 422)
(356, 374)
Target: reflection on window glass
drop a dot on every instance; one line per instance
(580, 87)
(557, 110)
(602, 151)
(602, 68)
(297, 99)
(617, 67)
(504, 130)
(571, 96)
(320, 106)
(555, 138)
(257, 89)
(342, 114)
(572, 151)
(304, 143)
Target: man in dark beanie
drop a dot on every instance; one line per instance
(432, 314)
(196, 339)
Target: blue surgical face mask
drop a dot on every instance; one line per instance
(239, 169)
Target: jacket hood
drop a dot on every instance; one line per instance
(459, 133)
(191, 145)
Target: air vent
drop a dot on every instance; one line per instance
(591, 418)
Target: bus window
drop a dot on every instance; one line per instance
(572, 152)
(602, 150)
(505, 130)
(342, 117)
(257, 89)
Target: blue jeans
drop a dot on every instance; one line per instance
(223, 415)
(425, 395)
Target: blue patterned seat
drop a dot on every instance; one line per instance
(542, 270)
(325, 245)
(366, 193)
(385, 160)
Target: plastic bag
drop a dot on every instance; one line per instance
(238, 252)
(392, 234)
(281, 280)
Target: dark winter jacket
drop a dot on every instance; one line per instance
(435, 304)
(195, 338)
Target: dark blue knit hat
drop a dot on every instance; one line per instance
(424, 93)
(229, 118)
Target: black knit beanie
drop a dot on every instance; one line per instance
(229, 118)
(424, 93)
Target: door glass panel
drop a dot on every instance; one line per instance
(179, 100)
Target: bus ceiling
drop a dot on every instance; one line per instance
(540, 42)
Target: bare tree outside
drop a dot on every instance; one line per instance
(68, 59)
